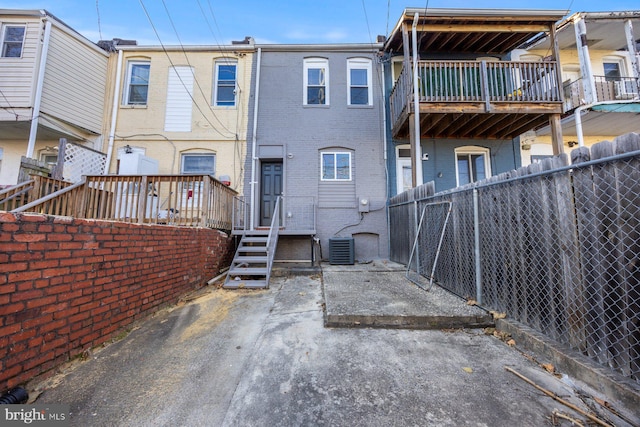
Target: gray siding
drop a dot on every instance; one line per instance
(75, 81)
(306, 131)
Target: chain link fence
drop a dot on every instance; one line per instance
(553, 245)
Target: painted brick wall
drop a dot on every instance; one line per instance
(306, 131)
(67, 285)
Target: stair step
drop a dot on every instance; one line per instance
(252, 248)
(255, 239)
(247, 271)
(251, 259)
(246, 284)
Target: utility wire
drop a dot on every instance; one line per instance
(99, 26)
(178, 75)
(194, 77)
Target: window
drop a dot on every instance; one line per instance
(612, 71)
(472, 164)
(199, 164)
(49, 157)
(336, 166)
(225, 83)
(359, 81)
(137, 83)
(12, 41)
(316, 81)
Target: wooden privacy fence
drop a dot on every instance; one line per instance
(186, 200)
(555, 246)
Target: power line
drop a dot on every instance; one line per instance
(179, 77)
(194, 77)
(99, 26)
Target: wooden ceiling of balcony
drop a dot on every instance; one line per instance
(472, 126)
(451, 31)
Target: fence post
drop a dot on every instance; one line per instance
(142, 198)
(207, 212)
(415, 236)
(476, 236)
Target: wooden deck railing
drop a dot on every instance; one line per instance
(187, 200)
(28, 191)
(478, 81)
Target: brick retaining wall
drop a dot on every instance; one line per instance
(67, 285)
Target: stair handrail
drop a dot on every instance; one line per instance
(9, 194)
(49, 197)
(272, 239)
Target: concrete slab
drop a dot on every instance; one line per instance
(379, 295)
(264, 358)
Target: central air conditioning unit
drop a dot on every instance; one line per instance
(341, 251)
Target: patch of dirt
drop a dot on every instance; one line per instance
(213, 309)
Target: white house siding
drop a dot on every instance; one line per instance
(17, 75)
(75, 81)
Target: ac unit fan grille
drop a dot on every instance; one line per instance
(341, 251)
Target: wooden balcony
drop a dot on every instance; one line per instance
(476, 99)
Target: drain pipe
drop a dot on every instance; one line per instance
(35, 115)
(384, 157)
(254, 139)
(577, 114)
(114, 113)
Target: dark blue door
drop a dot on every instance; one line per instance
(270, 189)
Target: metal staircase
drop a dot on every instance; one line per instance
(251, 265)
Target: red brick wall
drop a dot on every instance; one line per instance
(67, 285)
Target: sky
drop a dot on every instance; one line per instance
(207, 22)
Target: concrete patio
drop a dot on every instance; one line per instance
(266, 358)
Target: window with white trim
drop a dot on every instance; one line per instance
(137, 89)
(225, 83)
(198, 164)
(335, 166)
(472, 164)
(13, 40)
(613, 67)
(359, 81)
(316, 81)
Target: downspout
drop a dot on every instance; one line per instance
(114, 113)
(254, 139)
(39, 86)
(384, 156)
(416, 100)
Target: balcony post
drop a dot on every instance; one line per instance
(556, 134)
(556, 59)
(414, 117)
(633, 49)
(585, 60)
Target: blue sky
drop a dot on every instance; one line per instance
(299, 21)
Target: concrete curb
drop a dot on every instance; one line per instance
(611, 384)
(407, 322)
